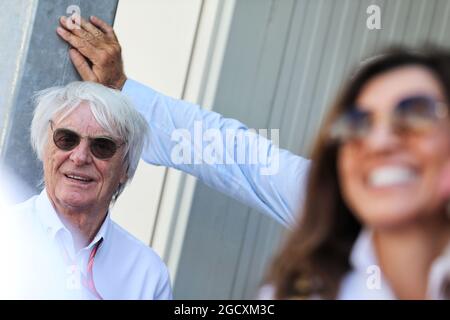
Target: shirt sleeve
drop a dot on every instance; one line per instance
(164, 288)
(221, 152)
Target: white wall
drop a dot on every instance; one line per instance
(156, 38)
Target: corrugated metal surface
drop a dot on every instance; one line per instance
(283, 65)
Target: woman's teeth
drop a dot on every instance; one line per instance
(391, 176)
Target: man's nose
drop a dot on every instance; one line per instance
(81, 155)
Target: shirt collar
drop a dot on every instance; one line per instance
(363, 252)
(53, 225)
(363, 255)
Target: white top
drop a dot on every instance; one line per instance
(123, 267)
(366, 282)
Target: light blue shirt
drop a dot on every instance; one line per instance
(124, 267)
(279, 195)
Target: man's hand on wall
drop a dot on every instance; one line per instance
(95, 52)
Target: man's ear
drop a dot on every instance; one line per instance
(124, 178)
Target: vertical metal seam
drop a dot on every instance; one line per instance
(21, 61)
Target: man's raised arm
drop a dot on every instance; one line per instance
(221, 152)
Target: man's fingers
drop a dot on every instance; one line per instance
(106, 28)
(84, 31)
(80, 44)
(82, 66)
(71, 27)
(97, 53)
(93, 30)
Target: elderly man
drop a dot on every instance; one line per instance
(90, 139)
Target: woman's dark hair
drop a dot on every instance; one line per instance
(316, 255)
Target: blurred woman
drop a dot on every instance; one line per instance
(374, 225)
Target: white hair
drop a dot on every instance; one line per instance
(111, 109)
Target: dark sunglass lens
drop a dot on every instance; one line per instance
(416, 112)
(103, 148)
(352, 125)
(65, 139)
(420, 106)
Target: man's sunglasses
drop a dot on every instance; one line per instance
(412, 115)
(101, 147)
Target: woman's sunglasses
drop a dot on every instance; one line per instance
(101, 147)
(412, 115)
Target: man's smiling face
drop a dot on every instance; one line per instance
(76, 179)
